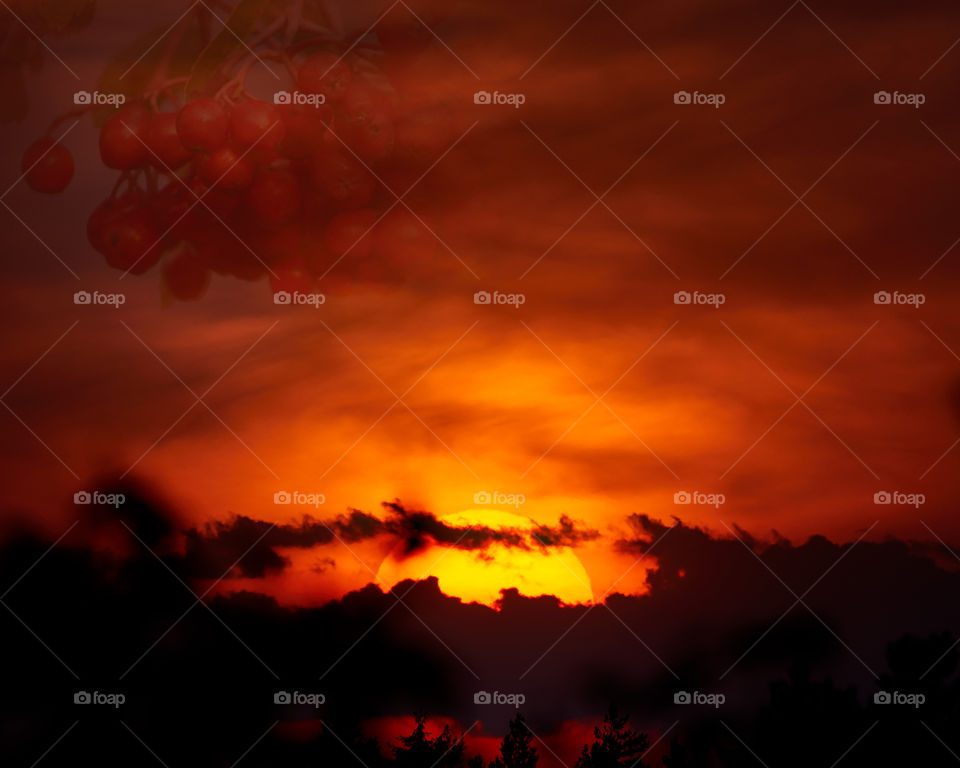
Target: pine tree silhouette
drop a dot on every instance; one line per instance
(419, 750)
(678, 756)
(517, 749)
(614, 744)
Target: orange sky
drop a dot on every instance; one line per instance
(497, 398)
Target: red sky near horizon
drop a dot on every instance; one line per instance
(598, 199)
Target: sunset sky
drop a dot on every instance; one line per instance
(635, 354)
(504, 398)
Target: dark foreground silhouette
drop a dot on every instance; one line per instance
(116, 656)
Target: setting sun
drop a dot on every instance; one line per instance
(478, 384)
(480, 575)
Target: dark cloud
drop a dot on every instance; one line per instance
(216, 549)
(565, 534)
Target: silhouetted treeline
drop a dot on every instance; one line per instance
(202, 678)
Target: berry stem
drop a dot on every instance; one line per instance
(265, 34)
(294, 21)
(151, 176)
(76, 112)
(153, 94)
(333, 17)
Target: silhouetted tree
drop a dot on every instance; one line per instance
(678, 756)
(924, 734)
(825, 714)
(614, 744)
(516, 749)
(419, 750)
(352, 746)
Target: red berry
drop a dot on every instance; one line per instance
(342, 178)
(212, 244)
(48, 166)
(277, 246)
(256, 123)
(167, 151)
(104, 213)
(421, 135)
(325, 73)
(225, 169)
(304, 130)
(292, 276)
(402, 238)
(203, 125)
(170, 206)
(351, 232)
(245, 266)
(274, 197)
(217, 203)
(97, 223)
(130, 241)
(373, 137)
(185, 275)
(367, 124)
(123, 138)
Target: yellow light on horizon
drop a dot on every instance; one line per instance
(480, 575)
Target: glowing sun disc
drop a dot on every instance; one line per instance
(479, 575)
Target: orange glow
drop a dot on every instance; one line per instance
(480, 575)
